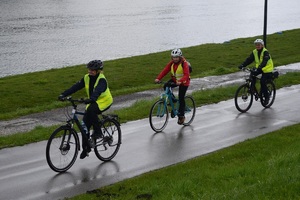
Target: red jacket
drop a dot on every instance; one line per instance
(185, 80)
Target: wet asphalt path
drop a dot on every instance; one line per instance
(24, 173)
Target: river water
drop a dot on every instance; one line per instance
(37, 35)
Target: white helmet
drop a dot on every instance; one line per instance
(259, 41)
(176, 53)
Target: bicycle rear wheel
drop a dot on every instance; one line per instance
(243, 98)
(190, 110)
(159, 115)
(62, 149)
(107, 147)
(271, 93)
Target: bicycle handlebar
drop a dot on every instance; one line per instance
(169, 84)
(69, 98)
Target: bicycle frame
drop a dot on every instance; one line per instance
(70, 123)
(251, 80)
(167, 97)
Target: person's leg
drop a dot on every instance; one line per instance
(263, 85)
(181, 95)
(90, 119)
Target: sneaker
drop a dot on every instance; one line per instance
(266, 101)
(181, 120)
(84, 154)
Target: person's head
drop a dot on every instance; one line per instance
(259, 44)
(176, 55)
(94, 67)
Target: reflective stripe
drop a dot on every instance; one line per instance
(105, 99)
(269, 66)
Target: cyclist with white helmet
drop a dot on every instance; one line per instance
(263, 63)
(99, 99)
(180, 75)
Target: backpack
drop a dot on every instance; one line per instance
(190, 66)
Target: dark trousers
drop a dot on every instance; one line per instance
(263, 84)
(181, 94)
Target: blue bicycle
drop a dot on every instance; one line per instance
(159, 113)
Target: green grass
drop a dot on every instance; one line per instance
(38, 91)
(267, 167)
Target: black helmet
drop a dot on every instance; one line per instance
(95, 65)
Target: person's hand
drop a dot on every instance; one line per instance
(157, 81)
(241, 66)
(178, 83)
(254, 72)
(259, 70)
(88, 101)
(61, 97)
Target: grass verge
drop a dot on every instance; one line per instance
(266, 167)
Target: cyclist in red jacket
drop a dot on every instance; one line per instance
(180, 75)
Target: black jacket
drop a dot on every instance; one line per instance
(94, 93)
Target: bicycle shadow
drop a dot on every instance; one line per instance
(54, 184)
(69, 179)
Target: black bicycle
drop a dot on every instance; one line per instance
(251, 89)
(64, 144)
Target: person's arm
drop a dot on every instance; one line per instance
(165, 71)
(74, 88)
(248, 61)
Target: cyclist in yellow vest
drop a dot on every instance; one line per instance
(99, 99)
(263, 63)
(180, 75)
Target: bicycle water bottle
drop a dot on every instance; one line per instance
(84, 127)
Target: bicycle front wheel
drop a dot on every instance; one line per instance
(243, 98)
(158, 116)
(107, 146)
(62, 149)
(190, 110)
(271, 93)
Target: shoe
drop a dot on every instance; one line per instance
(84, 154)
(266, 102)
(181, 120)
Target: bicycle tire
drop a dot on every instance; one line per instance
(159, 116)
(243, 98)
(190, 110)
(272, 94)
(107, 147)
(62, 149)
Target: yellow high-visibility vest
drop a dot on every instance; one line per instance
(105, 99)
(269, 66)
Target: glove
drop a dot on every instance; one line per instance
(254, 72)
(241, 66)
(88, 101)
(259, 70)
(61, 97)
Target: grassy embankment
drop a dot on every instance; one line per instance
(36, 92)
(267, 167)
